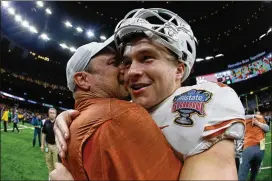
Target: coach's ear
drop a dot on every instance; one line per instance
(180, 71)
(83, 80)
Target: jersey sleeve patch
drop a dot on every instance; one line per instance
(189, 103)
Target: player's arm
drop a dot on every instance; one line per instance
(217, 163)
(60, 173)
(61, 129)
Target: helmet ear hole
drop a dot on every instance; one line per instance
(184, 56)
(189, 47)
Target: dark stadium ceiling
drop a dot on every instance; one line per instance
(229, 28)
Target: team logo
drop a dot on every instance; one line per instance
(189, 103)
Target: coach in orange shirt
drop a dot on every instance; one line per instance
(254, 146)
(112, 139)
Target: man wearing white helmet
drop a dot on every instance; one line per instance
(200, 122)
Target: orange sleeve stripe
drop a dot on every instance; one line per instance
(222, 124)
(221, 84)
(214, 134)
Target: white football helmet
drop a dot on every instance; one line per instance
(173, 32)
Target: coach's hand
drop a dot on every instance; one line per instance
(61, 129)
(60, 173)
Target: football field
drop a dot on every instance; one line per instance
(20, 161)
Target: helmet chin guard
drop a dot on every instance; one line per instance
(174, 33)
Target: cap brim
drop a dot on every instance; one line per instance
(105, 44)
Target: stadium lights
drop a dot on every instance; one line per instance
(90, 34)
(18, 18)
(262, 36)
(44, 37)
(103, 37)
(40, 4)
(5, 4)
(25, 24)
(11, 11)
(33, 29)
(68, 24)
(48, 11)
(63, 45)
(199, 59)
(208, 58)
(219, 55)
(72, 49)
(79, 29)
(270, 29)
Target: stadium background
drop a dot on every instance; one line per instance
(38, 38)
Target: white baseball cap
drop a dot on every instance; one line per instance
(81, 58)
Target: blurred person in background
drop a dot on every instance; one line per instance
(254, 146)
(37, 123)
(15, 120)
(9, 115)
(20, 115)
(25, 117)
(48, 140)
(5, 118)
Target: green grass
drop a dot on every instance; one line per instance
(267, 173)
(20, 161)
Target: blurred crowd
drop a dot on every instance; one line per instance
(29, 79)
(24, 115)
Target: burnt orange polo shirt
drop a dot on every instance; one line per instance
(118, 140)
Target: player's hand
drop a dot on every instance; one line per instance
(61, 129)
(42, 148)
(60, 173)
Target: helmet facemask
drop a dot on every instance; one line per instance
(163, 27)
